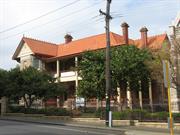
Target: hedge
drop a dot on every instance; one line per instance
(47, 111)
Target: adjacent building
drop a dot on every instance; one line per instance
(60, 61)
(174, 37)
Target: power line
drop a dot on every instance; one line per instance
(34, 19)
(76, 29)
(62, 18)
(54, 20)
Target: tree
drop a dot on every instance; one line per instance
(128, 65)
(31, 84)
(3, 82)
(155, 64)
(91, 69)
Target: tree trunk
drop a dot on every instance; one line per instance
(26, 102)
(30, 101)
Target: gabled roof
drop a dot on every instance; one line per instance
(54, 51)
(37, 47)
(154, 42)
(41, 47)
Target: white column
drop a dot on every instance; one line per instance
(119, 99)
(57, 68)
(119, 95)
(57, 75)
(76, 65)
(150, 96)
(76, 81)
(97, 104)
(129, 100)
(57, 100)
(140, 96)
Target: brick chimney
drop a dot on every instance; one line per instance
(144, 39)
(68, 38)
(125, 26)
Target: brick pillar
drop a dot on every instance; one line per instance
(3, 105)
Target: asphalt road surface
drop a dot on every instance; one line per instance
(21, 128)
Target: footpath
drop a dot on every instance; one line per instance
(129, 130)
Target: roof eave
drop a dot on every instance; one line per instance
(14, 57)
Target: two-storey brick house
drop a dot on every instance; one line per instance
(60, 59)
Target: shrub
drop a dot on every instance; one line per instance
(34, 111)
(76, 113)
(138, 114)
(47, 111)
(176, 117)
(130, 114)
(120, 115)
(56, 112)
(16, 109)
(89, 110)
(101, 112)
(159, 116)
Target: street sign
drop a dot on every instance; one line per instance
(80, 102)
(167, 73)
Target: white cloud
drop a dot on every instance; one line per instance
(156, 15)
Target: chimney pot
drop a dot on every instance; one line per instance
(144, 39)
(68, 38)
(125, 26)
(143, 29)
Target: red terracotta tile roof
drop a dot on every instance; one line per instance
(90, 43)
(154, 42)
(41, 47)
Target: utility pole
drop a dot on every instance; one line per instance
(108, 74)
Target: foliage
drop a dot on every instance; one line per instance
(3, 82)
(176, 116)
(128, 65)
(130, 114)
(159, 115)
(48, 111)
(155, 64)
(144, 115)
(57, 112)
(100, 113)
(91, 69)
(32, 84)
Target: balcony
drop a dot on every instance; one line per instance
(67, 76)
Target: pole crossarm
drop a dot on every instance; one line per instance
(106, 15)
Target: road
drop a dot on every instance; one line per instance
(21, 128)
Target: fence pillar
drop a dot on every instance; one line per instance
(150, 96)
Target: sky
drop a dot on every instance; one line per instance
(50, 20)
